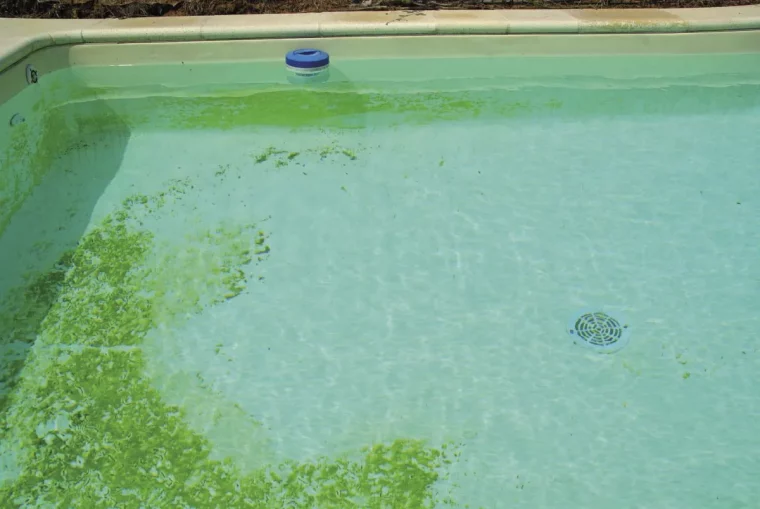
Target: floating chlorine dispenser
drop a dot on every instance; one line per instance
(305, 66)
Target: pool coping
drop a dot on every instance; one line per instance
(21, 37)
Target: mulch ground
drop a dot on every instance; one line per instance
(132, 8)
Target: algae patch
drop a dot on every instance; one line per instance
(89, 429)
(21, 314)
(124, 447)
(266, 154)
(30, 150)
(283, 158)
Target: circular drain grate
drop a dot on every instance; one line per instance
(599, 331)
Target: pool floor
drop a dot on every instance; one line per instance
(302, 295)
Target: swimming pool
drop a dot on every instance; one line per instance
(220, 289)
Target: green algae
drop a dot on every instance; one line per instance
(208, 270)
(116, 290)
(122, 446)
(25, 160)
(349, 153)
(266, 154)
(295, 109)
(99, 305)
(93, 431)
(21, 314)
(283, 158)
(397, 475)
(234, 434)
(222, 171)
(28, 151)
(336, 150)
(336, 107)
(115, 438)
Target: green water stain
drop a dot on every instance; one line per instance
(686, 375)
(93, 431)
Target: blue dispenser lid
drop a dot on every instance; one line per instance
(307, 58)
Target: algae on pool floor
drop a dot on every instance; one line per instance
(420, 246)
(85, 427)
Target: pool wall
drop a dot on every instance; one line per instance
(26, 151)
(39, 128)
(20, 37)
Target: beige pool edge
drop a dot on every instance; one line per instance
(21, 37)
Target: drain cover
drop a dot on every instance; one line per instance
(599, 330)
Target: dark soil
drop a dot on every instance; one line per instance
(131, 8)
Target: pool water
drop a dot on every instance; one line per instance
(358, 295)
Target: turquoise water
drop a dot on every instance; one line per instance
(301, 277)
